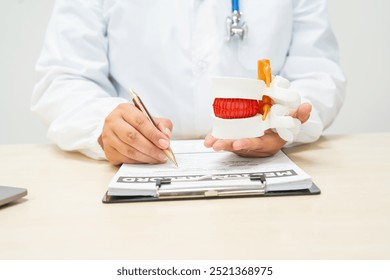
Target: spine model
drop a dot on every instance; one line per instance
(246, 108)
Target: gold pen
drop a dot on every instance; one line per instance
(140, 105)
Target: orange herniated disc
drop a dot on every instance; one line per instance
(264, 73)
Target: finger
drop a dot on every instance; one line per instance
(133, 154)
(116, 158)
(223, 145)
(249, 147)
(132, 141)
(209, 140)
(264, 146)
(245, 144)
(303, 112)
(164, 125)
(144, 126)
(112, 154)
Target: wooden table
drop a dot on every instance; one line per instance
(63, 216)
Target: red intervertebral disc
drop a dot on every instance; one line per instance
(235, 108)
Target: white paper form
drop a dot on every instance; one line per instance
(199, 166)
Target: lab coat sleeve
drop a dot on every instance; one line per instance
(312, 67)
(74, 94)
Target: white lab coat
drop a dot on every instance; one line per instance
(167, 50)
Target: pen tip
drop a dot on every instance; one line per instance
(171, 156)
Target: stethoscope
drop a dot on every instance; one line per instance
(236, 28)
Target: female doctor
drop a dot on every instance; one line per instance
(96, 49)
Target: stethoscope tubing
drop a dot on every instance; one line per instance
(235, 6)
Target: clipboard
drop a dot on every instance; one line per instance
(205, 174)
(258, 188)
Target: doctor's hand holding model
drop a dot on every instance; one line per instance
(95, 50)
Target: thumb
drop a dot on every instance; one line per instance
(303, 112)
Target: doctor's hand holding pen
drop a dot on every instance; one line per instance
(129, 137)
(267, 145)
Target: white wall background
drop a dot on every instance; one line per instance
(362, 28)
(363, 31)
(22, 27)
